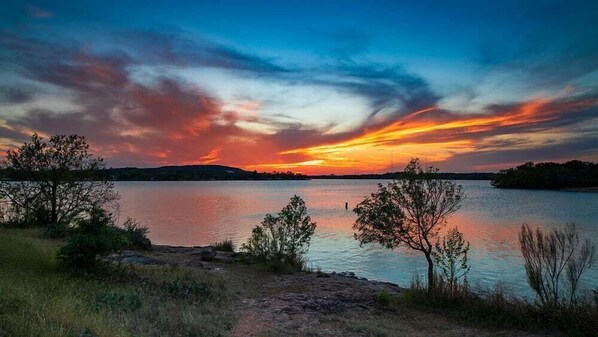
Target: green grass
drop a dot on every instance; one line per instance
(37, 299)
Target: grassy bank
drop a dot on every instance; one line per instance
(37, 299)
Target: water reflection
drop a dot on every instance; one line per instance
(197, 213)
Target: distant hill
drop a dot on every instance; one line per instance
(574, 174)
(195, 172)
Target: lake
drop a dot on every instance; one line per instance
(199, 213)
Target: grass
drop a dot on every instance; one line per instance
(496, 310)
(37, 299)
(226, 245)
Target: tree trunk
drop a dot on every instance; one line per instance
(430, 271)
(54, 211)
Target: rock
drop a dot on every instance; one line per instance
(224, 258)
(132, 258)
(205, 253)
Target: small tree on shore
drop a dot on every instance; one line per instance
(551, 256)
(409, 212)
(281, 240)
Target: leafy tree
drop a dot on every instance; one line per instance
(57, 175)
(551, 256)
(451, 258)
(89, 241)
(572, 174)
(283, 239)
(409, 212)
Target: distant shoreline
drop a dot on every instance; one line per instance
(591, 189)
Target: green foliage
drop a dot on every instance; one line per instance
(450, 257)
(136, 235)
(553, 256)
(571, 174)
(282, 239)
(226, 245)
(408, 212)
(92, 239)
(54, 181)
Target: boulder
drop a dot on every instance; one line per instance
(205, 253)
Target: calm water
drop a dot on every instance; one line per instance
(198, 213)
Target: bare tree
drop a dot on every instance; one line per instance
(409, 212)
(58, 175)
(550, 257)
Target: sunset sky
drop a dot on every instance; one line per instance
(309, 86)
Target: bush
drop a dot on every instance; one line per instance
(451, 259)
(283, 239)
(136, 235)
(92, 238)
(226, 245)
(550, 257)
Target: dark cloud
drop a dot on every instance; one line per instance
(384, 87)
(176, 47)
(15, 95)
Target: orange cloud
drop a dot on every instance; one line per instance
(415, 135)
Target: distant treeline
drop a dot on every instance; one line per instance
(400, 175)
(196, 172)
(182, 173)
(572, 174)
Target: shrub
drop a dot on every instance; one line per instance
(451, 259)
(92, 238)
(281, 240)
(550, 257)
(226, 245)
(136, 235)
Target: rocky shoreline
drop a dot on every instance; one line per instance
(208, 258)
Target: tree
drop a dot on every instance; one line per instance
(57, 175)
(550, 257)
(281, 240)
(451, 258)
(409, 212)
